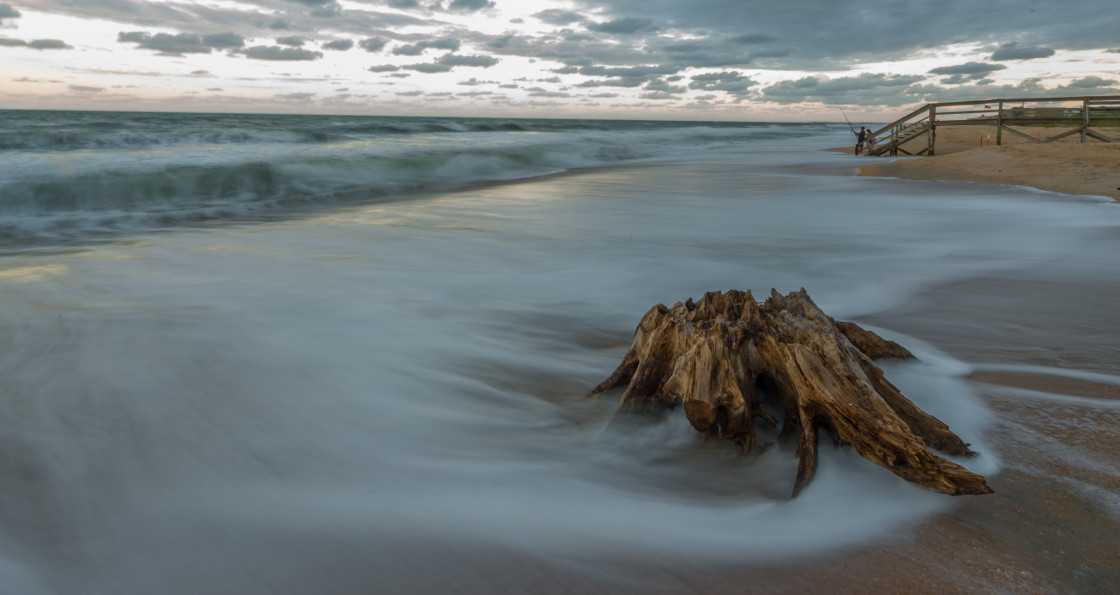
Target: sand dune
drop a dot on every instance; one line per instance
(1063, 166)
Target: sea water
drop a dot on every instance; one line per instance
(295, 354)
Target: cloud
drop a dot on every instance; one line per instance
(275, 52)
(978, 69)
(824, 38)
(182, 43)
(339, 44)
(662, 86)
(470, 5)
(1013, 51)
(7, 12)
(625, 26)
(634, 76)
(555, 16)
(752, 38)
(445, 43)
(327, 11)
(49, 44)
(1090, 83)
(280, 24)
(500, 42)
(473, 82)
(475, 61)
(86, 89)
(384, 68)
(36, 44)
(428, 67)
(865, 89)
(372, 44)
(403, 4)
(295, 97)
(293, 41)
(963, 73)
(731, 82)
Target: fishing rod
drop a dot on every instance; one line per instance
(842, 112)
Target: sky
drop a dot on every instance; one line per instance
(743, 60)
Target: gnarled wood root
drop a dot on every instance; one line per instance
(711, 357)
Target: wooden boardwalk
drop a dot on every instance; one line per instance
(1096, 118)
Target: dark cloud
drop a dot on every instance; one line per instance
(555, 16)
(731, 82)
(428, 68)
(86, 89)
(473, 82)
(339, 44)
(500, 42)
(7, 12)
(182, 43)
(372, 44)
(1014, 51)
(1091, 83)
(824, 30)
(327, 11)
(634, 76)
(662, 86)
(625, 26)
(475, 61)
(752, 38)
(404, 4)
(49, 44)
(294, 97)
(280, 24)
(446, 43)
(543, 93)
(226, 40)
(36, 44)
(470, 5)
(978, 69)
(384, 68)
(968, 72)
(275, 52)
(292, 41)
(866, 89)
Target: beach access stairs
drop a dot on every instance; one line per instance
(1093, 117)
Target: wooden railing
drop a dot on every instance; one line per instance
(1079, 114)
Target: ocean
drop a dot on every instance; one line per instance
(303, 354)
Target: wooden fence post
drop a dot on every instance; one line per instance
(1084, 118)
(932, 128)
(999, 125)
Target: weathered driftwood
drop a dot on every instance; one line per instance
(713, 357)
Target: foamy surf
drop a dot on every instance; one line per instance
(389, 393)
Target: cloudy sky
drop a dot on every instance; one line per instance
(679, 59)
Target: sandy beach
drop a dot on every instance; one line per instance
(388, 394)
(1065, 165)
(1058, 434)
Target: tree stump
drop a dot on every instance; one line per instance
(713, 357)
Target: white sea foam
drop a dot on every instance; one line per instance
(380, 394)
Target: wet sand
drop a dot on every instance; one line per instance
(1053, 524)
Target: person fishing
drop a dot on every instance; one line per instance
(861, 136)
